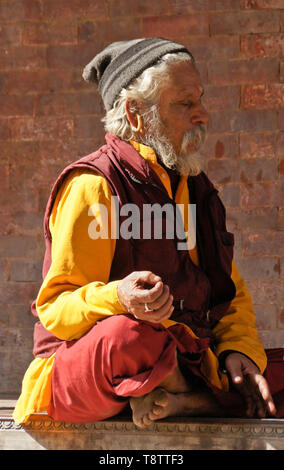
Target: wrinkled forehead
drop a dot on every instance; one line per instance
(185, 79)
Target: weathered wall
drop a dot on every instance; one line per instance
(49, 116)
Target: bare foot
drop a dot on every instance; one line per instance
(158, 404)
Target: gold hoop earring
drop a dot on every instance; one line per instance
(139, 125)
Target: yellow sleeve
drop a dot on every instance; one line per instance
(236, 330)
(76, 292)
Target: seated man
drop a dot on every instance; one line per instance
(162, 324)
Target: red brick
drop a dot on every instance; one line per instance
(258, 218)
(266, 316)
(23, 58)
(10, 34)
(50, 33)
(2, 82)
(27, 223)
(202, 68)
(214, 47)
(223, 171)
(262, 45)
(27, 176)
(258, 169)
(259, 268)
(228, 5)
(105, 32)
(20, 151)
(13, 336)
(43, 81)
(175, 26)
(17, 10)
(230, 194)
(280, 218)
(182, 7)
(267, 4)
(281, 71)
(266, 96)
(221, 146)
(4, 269)
(281, 318)
(87, 146)
(265, 243)
(280, 144)
(281, 166)
(60, 151)
(243, 120)
(25, 270)
(14, 201)
(5, 132)
(244, 22)
(266, 291)
(41, 128)
(87, 126)
(4, 176)
(282, 269)
(257, 145)
(246, 171)
(281, 119)
(19, 314)
(6, 222)
(61, 104)
(236, 72)
(14, 246)
(218, 97)
(261, 195)
(77, 8)
(71, 56)
(16, 105)
(140, 8)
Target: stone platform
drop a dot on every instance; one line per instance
(119, 433)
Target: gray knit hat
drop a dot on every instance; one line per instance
(121, 62)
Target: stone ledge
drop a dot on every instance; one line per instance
(119, 433)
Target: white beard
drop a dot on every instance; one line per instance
(187, 162)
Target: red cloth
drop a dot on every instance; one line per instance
(120, 357)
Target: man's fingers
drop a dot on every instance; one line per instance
(148, 295)
(161, 300)
(147, 277)
(155, 316)
(235, 371)
(264, 395)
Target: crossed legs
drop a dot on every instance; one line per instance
(122, 360)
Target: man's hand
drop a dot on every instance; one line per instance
(251, 384)
(144, 287)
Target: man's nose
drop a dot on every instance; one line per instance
(200, 115)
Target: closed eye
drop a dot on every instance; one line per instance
(188, 104)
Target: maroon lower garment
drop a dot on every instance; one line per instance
(121, 357)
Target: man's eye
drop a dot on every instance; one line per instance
(187, 104)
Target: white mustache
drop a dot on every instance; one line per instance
(195, 136)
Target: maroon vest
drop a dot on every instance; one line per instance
(201, 293)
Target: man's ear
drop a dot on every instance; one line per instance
(133, 116)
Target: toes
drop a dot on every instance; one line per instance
(155, 412)
(146, 419)
(161, 399)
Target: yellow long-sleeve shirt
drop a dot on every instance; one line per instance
(76, 292)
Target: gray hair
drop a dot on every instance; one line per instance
(145, 90)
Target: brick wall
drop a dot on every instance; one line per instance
(49, 116)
